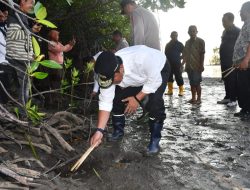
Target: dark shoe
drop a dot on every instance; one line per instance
(118, 126)
(155, 130)
(224, 101)
(242, 113)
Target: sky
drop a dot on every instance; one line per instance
(205, 14)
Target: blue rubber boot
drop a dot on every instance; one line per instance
(155, 130)
(118, 126)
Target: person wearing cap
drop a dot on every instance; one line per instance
(125, 79)
(145, 30)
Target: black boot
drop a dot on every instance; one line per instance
(155, 130)
(118, 125)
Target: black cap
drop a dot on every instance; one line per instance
(106, 66)
(124, 3)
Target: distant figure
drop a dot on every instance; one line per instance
(145, 29)
(119, 41)
(4, 68)
(56, 51)
(241, 59)
(193, 57)
(228, 40)
(173, 52)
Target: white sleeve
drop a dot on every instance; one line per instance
(154, 78)
(96, 85)
(106, 98)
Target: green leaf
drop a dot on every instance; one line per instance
(47, 23)
(37, 6)
(32, 146)
(39, 75)
(51, 64)
(28, 104)
(39, 58)
(34, 66)
(16, 110)
(36, 47)
(41, 13)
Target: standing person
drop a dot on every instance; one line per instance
(56, 49)
(241, 59)
(119, 41)
(145, 30)
(124, 82)
(56, 53)
(173, 51)
(193, 57)
(4, 68)
(228, 40)
(18, 51)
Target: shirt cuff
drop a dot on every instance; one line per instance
(105, 106)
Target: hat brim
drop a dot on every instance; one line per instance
(104, 82)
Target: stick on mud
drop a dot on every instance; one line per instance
(83, 158)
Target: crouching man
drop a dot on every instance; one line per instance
(125, 78)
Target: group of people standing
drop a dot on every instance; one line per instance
(137, 76)
(235, 58)
(17, 53)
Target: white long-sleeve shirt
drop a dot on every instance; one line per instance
(142, 67)
(2, 48)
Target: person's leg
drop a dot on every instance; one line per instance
(179, 78)
(198, 89)
(242, 89)
(191, 78)
(233, 86)
(193, 93)
(197, 83)
(171, 80)
(5, 82)
(157, 114)
(22, 77)
(248, 91)
(118, 117)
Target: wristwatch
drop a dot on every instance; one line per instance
(100, 130)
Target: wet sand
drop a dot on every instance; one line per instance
(203, 147)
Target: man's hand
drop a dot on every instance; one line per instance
(93, 94)
(96, 138)
(36, 28)
(243, 65)
(72, 42)
(132, 105)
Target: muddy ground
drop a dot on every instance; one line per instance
(203, 147)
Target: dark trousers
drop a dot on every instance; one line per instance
(243, 87)
(23, 80)
(155, 105)
(177, 73)
(4, 78)
(230, 83)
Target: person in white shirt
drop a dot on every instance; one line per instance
(4, 68)
(125, 79)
